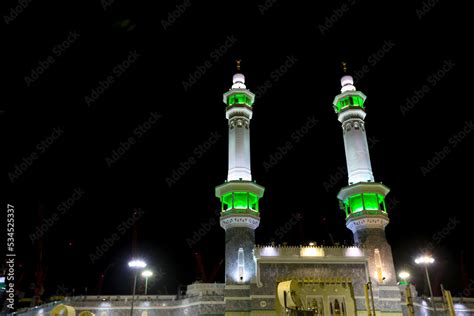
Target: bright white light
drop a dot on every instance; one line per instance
(311, 244)
(137, 264)
(460, 307)
(354, 252)
(347, 80)
(404, 275)
(424, 260)
(240, 265)
(147, 273)
(238, 78)
(269, 252)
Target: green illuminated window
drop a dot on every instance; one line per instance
(240, 200)
(253, 202)
(370, 201)
(227, 201)
(356, 203)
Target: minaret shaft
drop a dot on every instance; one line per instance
(239, 149)
(359, 168)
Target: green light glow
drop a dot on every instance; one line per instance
(365, 202)
(351, 100)
(239, 98)
(239, 200)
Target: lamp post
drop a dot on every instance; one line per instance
(369, 284)
(146, 274)
(404, 276)
(135, 265)
(425, 261)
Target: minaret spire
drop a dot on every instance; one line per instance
(239, 196)
(344, 67)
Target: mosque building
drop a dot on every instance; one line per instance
(289, 280)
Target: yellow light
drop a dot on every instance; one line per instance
(147, 273)
(311, 252)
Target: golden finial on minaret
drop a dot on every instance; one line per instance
(238, 64)
(344, 67)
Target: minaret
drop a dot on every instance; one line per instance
(363, 199)
(239, 197)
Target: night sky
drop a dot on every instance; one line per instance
(104, 101)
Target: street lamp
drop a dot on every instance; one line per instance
(146, 274)
(426, 260)
(404, 276)
(135, 265)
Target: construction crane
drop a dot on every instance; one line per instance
(201, 273)
(39, 272)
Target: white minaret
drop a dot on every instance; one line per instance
(355, 140)
(239, 196)
(239, 138)
(363, 199)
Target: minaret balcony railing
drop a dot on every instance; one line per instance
(367, 202)
(239, 201)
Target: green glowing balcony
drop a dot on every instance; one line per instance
(349, 101)
(370, 203)
(239, 98)
(239, 201)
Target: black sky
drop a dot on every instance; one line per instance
(417, 45)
